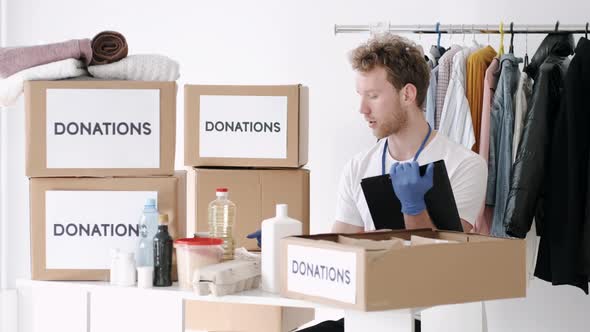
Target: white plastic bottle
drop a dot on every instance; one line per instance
(114, 275)
(273, 230)
(126, 269)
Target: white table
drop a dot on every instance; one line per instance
(98, 306)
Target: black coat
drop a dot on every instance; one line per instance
(560, 250)
(547, 68)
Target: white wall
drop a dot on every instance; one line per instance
(272, 42)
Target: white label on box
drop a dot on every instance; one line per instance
(321, 272)
(81, 227)
(103, 128)
(243, 127)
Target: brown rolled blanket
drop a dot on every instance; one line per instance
(108, 47)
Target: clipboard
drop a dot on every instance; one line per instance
(385, 207)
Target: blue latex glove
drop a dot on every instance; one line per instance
(256, 235)
(410, 187)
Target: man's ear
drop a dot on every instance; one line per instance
(408, 94)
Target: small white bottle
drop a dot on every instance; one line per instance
(273, 230)
(126, 269)
(114, 275)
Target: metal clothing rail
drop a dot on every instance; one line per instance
(464, 28)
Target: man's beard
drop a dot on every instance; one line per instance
(393, 124)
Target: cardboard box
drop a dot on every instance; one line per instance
(246, 126)
(76, 221)
(255, 193)
(476, 268)
(243, 317)
(100, 128)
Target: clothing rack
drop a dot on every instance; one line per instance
(464, 28)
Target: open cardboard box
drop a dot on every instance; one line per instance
(469, 268)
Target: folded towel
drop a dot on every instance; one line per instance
(108, 47)
(15, 59)
(12, 87)
(141, 67)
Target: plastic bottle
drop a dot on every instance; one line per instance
(114, 273)
(163, 254)
(222, 215)
(126, 269)
(273, 230)
(148, 226)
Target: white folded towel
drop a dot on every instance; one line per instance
(139, 67)
(12, 86)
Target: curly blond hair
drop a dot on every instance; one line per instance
(400, 57)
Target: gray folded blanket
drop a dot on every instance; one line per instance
(15, 59)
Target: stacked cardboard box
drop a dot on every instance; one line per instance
(96, 150)
(252, 140)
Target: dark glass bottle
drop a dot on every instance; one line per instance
(163, 254)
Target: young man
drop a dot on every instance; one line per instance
(392, 80)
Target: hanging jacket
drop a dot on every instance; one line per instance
(501, 133)
(521, 102)
(445, 65)
(562, 246)
(547, 69)
(483, 224)
(477, 64)
(455, 121)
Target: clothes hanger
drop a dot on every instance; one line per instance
(526, 48)
(438, 32)
(451, 34)
(419, 34)
(586, 34)
(463, 32)
(557, 26)
(488, 32)
(473, 33)
(501, 49)
(511, 49)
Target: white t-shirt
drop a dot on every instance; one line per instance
(467, 172)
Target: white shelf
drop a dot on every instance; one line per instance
(255, 296)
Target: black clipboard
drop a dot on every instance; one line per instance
(385, 207)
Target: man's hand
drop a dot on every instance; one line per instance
(410, 187)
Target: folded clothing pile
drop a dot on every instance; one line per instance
(105, 57)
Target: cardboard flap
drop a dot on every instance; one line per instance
(372, 245)
(420, 241)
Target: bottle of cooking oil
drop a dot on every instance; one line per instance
(222, 216)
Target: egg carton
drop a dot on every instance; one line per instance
(227, 278)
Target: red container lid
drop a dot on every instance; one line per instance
(200, 241)
(221, 190)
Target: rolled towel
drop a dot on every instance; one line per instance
(15, 59)
(140, 67)
(12, 87)
(108, 47)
